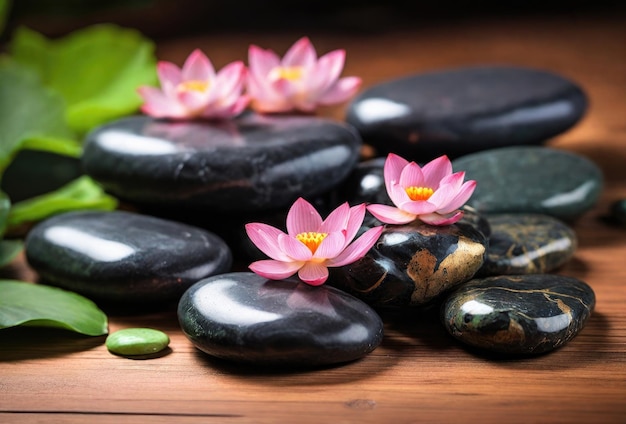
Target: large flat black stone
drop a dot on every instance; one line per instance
(251, 163)
(460, 111)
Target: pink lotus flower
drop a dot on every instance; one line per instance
(311, 245)
(432, 194)
(299, 81)
(196, 91)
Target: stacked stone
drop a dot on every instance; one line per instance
(490, 272)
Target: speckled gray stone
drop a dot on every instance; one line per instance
(532, 179)
(527, 244)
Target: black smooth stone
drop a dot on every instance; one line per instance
(460, 111)
(247, 164)
(365, 184)
(124, 257)
(244, 317)
(527, 314)
(532, 179)
(527, 244)
(618, 211)
(412, 264)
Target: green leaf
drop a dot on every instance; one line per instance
(5, 206)
(60, 146)
(30, 114)
(97, 70)
(38, 305)
(82, 193)
(9, 249)
(5, 5)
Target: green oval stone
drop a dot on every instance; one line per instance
(137, 341)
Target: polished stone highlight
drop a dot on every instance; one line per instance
(460, 111)
(248, 164)
(527, 244)
(124, 257)
(413, 264)
(244, 317)
(527, 314)
(532, 179)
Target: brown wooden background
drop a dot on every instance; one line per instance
(418, 374)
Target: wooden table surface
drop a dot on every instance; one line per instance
(419, 373)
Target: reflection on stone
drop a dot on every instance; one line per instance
(413, 264)
(249, 164)
(247, 318)
(465, 110)
(527, 314)
(527, 244)
(124, 257)
(532, 180)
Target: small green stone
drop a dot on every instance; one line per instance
(137, 341)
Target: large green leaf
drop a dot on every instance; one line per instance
(82, 193)
(44, 306)
(30, 114)
(97, 70)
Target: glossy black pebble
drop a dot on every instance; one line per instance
(527, 244)
(618, 211)
(529, 179)
(244, 317)
(247, 164)
(460, 111)
(124, 257)
(527, 314)
(365, 184)
(412, 264)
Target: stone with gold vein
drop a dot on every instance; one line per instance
(413, 264)
(526, 314)
(527, 244)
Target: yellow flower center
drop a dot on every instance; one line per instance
(193, 85)
(419, 193)
(290, 73)
(311, 239)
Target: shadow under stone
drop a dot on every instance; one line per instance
(281, 375)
